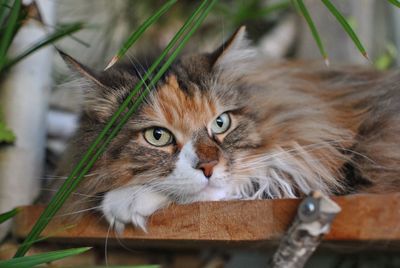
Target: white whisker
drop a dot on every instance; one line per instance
(106, 244)
(77, 212)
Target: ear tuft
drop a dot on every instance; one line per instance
(79, 68)
(98, 100)
(236, 52)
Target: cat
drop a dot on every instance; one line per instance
(227, 125)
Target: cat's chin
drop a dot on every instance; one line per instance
(211, 193)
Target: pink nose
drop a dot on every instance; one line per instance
(207, 168)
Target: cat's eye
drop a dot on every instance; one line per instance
(158, 136)
(221, 124)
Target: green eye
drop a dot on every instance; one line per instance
(221, 124)
(158, 136)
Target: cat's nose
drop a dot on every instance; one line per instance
(207, 167)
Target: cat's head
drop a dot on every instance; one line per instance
(184, 137)
(201, 134)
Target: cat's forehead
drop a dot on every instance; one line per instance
(173, 107)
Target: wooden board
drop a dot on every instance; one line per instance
(260, 222)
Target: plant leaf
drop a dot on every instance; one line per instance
(30, 261)
(6, 38)
(387, 58)
(271, 8)
(302, 8)
(346, 26)
(101, 142)
(395, 2)
(6, 135)
(5, 7)
(8, 215)
(49, 39)
(142, 28)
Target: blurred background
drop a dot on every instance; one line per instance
(41, 108)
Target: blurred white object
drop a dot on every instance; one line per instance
(56, 146)
(276, 44)
(23, 100)
(61, 124)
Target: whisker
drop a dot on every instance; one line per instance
(77, 212)
(318, 145)
(74, 193)
(106, 244)
(123, 245)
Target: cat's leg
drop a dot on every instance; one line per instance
(131, 205)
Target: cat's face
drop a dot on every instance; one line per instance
(210, 130)
(186, 138)
(193, 137)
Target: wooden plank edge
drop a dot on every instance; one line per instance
(366, 217)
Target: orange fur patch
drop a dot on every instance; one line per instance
(178, 112)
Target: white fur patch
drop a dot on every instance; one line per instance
(280, 173)
(134, 204)
(186, 184)
(131, 204)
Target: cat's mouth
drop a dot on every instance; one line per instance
(210, 192)
(206, 187)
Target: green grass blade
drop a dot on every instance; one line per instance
(100, 143)
(4, 3)
(395, 2)
(4, 10)
(142, 28)
(302, 8)
(6, 38)
(49, 39)
(22, 16)
(8, 215)
(346, 26)
(30, 261)
(250, 10)
(52, 234)
(295, 5)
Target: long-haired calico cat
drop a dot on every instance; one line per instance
(226, 125)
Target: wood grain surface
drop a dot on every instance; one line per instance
(260, 222)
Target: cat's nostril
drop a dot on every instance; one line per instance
(207, 168)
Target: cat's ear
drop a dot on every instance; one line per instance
(80, 69)
(99, 100)
(235, 52)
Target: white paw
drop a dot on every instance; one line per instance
(131, 205)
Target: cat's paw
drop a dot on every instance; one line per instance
(131, 205)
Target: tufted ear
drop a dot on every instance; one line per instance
(100, 100)
(235, 52)
(80, 69)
